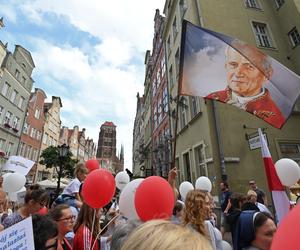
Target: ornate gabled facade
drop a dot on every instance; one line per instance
(51, 134)
(161, 136)
(31, 139)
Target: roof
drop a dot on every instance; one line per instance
(110, 124)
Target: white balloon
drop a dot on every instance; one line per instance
(5, 175)
(13, 196)
(126, 200)
(184, 188)
(13, 182)
(225, 245)
(203, 183)
(288, 171)
(122, 179)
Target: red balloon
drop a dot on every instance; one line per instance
(287, 235)
(98, 188)
(92, 165)
(154, 199)
(43, 211)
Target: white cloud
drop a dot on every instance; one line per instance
(95, 82)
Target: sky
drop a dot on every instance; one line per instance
(90, 53)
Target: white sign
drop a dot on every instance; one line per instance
(18, 164)
(254, 142)
(18, 236)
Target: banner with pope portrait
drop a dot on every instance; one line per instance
(222, 68)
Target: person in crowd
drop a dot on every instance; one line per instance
(121, 233)
(35, 199)
(196, 214)
(4, 208)
(236, 202)
(261, 196)
(172, 175)
(70, 195)
(255, 231)
(45, 232)
(161, 234)
(62, 215)
(87, 228)
(252, 197)
(225, 195)
(177, 212)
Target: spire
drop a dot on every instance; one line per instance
(122, 153)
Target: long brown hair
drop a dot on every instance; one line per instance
(195, 211)
(85, 217)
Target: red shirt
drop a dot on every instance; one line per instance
(83, 239)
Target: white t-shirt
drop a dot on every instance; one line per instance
(72, 188)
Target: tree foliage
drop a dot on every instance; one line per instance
(64, 166)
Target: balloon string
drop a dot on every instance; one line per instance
(115, 217)
(94, 218)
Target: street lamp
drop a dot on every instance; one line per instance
(63, 152)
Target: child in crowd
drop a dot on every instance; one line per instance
(70, 195)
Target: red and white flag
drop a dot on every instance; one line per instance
(280, 199)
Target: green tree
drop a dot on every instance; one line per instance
(64, 165)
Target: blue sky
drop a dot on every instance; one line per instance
(90, 53)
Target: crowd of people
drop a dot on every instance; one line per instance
(70, 223)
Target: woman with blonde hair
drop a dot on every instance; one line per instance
(160, 234)
(196, 215)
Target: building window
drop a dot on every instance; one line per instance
(5, 89)
(21, 102)
(38, 135)
(183, 118)
(17, 73)
(171, 76)
(23, 80)
(169, 45)
(175, 29)
(177, 62)
(290, 150)
(2, 143)
(33, 133)
(9, 148)
(35, 155)
(158, 76)
(201, 168)
(165, 100)
(294, 37)
(187, 167)
(253, 4)
(25, 128)
(279, 3)
(13, 96)
(45, 138)
(262, 35)
(16, 123)
(37, 114)
(162, 66)
(22, 147)
(194, 106)
(159, 110)
(7, 118)
(182, 7)
(1, 111)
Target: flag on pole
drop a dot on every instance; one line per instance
(279, 196)
(225, 69)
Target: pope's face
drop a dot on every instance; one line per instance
(243, 77)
